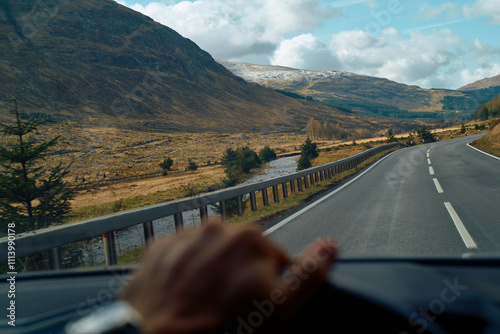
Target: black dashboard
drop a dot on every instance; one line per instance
(382, 296)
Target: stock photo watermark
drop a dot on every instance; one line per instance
(293, 278)
(11, 267)
(30, 24)
(421, 318)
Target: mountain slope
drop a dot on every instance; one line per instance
(342, 85)
(482, 84)
(96, 62)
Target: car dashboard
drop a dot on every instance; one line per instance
(367, 295)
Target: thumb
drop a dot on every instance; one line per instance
(310, 272)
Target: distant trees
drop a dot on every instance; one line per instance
(390, 137)
(425, 134)
(267, 154)
(166, 165)
(488, 109)
(192, 166)
(31, 195)
(238, 162)
(308, 151)
(325, 130)
(328, 131)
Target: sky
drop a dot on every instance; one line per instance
(431, 44)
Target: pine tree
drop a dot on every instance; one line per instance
(31, 196)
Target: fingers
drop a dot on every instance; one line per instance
(310, 272)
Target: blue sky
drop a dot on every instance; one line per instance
(432, 44)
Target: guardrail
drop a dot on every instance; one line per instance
(51, 239)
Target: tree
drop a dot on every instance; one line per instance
(192, 166)
(267, 154)
(425, 134)
(462, 128)
(238, 162)
(390, 137)
(308, 151)
(31, 195)
(166, 165)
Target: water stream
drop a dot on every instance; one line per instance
(133, 237)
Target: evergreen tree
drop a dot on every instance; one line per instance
(31, 196)
(425, 134)
(308, 151)
(390, 137)
(267, 154)
(166, 164)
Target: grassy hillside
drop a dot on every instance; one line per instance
(366, 95)
(491, 141)
(97, 63)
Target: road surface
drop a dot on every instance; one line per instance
(438, 199)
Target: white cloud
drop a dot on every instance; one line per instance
(427, 11)
(305, 52)
(483, 7)
(235, 28)
(427, 60)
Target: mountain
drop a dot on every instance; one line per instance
(98, 63)
(482, 84)
(353, 90)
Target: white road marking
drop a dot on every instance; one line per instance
(427, 154)
(429, 161)
(431, 170)
(438, 186)
(469, 242)
(324, 198)
(491, 155)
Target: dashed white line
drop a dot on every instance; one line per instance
(427, 154)
(431, 170)
(429, 161)
(438, 186)
(467, 239)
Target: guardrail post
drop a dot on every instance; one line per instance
(54, 258)
(239, 205)
(276, 197)
(149, 233)
(299, 184)
(292, 186)
(204, 214)
(285, 190)
(178, 221)
(253, 201)
(265, 198)
(223, 210)
(306, 182)
(108, 240)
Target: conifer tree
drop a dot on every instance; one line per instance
(31, 195)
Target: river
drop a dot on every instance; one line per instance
(133, 237)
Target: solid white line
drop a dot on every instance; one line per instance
(469, 242)
(431, 170)
(438, 186)
(324, 198)
(491, 155)
(429, 161)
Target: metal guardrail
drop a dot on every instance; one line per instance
(52, 238)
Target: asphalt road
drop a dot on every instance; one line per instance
(438, 199)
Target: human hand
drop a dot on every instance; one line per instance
(222, 279)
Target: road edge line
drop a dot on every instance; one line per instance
(481, 151)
